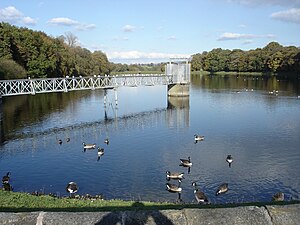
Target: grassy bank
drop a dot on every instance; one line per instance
(24, 202)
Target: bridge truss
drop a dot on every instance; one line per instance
(46, 85)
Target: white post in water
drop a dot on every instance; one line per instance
(180, 68)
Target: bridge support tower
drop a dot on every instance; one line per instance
(181, 71)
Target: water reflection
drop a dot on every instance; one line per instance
(148, 137)
(27, 111)
(248, 83)
(178, 111)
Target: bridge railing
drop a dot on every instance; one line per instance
(45, 85)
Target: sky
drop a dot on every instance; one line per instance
(131, 31)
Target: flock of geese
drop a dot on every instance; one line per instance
(200, 196)
(72, 187)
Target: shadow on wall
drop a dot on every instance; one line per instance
(135, 217)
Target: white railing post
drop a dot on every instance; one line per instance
(32, 86)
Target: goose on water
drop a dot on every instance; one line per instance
(279, 196)
(173, 187)
(100, 152)
(106, 141)
(177, 176)
(72, 188)
(198, 138)
(229, 159)
(222, 189)
(199, 195)
(88, 146)
(186, 162)
(6, 178)
(7, 187)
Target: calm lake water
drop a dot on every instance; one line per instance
(148, 135)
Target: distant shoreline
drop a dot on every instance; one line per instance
(257, 74)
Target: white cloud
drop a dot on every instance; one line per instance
(140, 57)
(291, 15)
(236, 36)
(233, 36)
(12, 15)
(129, 28)
(63, 21)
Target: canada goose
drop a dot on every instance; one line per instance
(229, 159)
(88, 146)
(174, 187)
(177, 176)
(72, 188)
(68, 139)
(5, 179)
(59, 141)
(279, 196)
(106, 141)
(7, 187)
(199, 195)
(186, 162)
(198, 138)
(100, 152)
(222, 189)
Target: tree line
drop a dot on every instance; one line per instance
(27, 53)
(272, 58)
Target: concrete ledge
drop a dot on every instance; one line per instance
(285, 215)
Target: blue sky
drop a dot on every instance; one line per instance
(131, 31)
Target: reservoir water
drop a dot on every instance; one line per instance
(254, 119)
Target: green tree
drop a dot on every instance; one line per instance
(9, 69)
(274, 61)
(101, 63)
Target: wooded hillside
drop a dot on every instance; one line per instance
(24, 52)
(272, 58)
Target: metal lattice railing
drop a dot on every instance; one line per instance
(34, 86)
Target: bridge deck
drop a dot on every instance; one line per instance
(46, 85)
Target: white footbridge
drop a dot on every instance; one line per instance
(176, 73)
(48, 85)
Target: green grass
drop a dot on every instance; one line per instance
(24, 202)
(17, 201)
